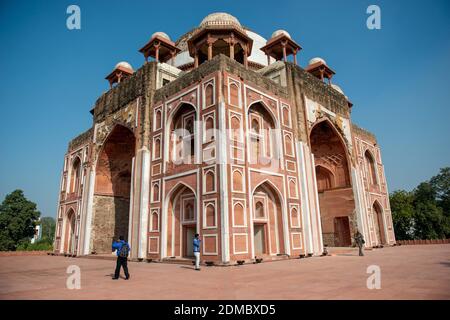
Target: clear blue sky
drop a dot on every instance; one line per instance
(398, 77)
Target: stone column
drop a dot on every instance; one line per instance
(157, 52)
(283, 44)
(196, 59)
(224, 211)
(305, 208)
(311, 198)
(209, 50)
(139, 204)
(245, 57)
(144, 202)
(88, 207)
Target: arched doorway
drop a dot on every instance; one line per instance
(334, 189)
(69, 233)
(112, 189)
(181, 221)
(378, 224)
(268, 233)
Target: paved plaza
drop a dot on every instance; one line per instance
(407, 272)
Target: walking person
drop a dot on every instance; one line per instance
(197, 251)
(360, 242)
(123, 250)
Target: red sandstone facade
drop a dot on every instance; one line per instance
(254, 153)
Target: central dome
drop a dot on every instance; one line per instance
(219, 18)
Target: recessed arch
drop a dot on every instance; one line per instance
(75, 174)
(179, 231)
(69, 245)
(325, 178)
(112, 188)
(378, 223)
(177, 187)
(269, 183)
(181, 134)
(176, 108)
(332, 127)
(333, 182)
(208, 91)
(371, 167)
(264, 137)
(269, 232)
(268, 109)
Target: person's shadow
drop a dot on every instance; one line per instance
(186, 267)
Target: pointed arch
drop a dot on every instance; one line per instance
(335, 130)
(325, 178)
(178, 228)
(371, 167)
(264, 138)
(378, 221)
(69, 232)
(270, 232)
(117, 126)
(75, 174)
(112, 188)
(268, 109)
(181, 134)
(270, 184)
(177, 108)
(332, 165)
(178, 187)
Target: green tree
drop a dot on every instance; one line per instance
(48, 228)
(18, 218)
(402, 214)
(441, 187)
(429, 219)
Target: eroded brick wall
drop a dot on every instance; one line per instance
(110, 220)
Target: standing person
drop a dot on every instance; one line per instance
(123, 249)
(360, 242)
(197, 251)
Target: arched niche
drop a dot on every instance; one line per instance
(112, 189)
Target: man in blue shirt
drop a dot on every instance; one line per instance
(123, 249)
(197, 251)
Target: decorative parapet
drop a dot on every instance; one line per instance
(80, 140)
(363, 133)
(138, 84)
(219, 62)
(319, 91)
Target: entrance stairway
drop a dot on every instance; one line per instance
(178, 260)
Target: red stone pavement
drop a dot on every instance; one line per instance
(407, 272)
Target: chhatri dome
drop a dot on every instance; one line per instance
(124, 64)
(315, 60)
(161, 34)
(278, 32)
(219, 19)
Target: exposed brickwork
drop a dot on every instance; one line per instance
(108, 227)
(137, 85)
(82, 139)
(363, 133)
